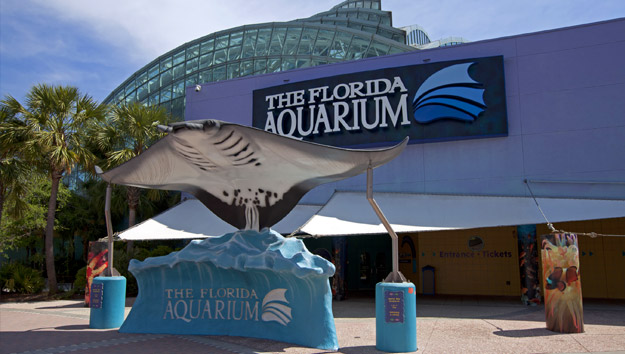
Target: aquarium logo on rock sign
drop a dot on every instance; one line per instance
(238, 304)
(452, 100)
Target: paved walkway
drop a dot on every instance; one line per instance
(444, 325)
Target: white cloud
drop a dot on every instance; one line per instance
(147, 29)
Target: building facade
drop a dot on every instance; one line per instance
(555, 141)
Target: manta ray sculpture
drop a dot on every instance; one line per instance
(248, 177)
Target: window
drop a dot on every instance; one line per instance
(249, 44)
(207, 46)
(292, 40)
(262, 43)
(277, 41)
(322, 45)
(307, 42)
(193, 51)
(179, 57)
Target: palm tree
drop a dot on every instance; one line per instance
(130, 131)
(56, 118)
(14, 169)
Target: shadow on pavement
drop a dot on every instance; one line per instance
(525, 333)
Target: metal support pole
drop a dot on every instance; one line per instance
(109, 229)
(395, 276)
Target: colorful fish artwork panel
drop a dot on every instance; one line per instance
(562, 283)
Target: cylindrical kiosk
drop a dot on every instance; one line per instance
(108, 301)
(396, 317)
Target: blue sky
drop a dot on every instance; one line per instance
(96, 45)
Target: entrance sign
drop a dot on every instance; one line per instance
(242, 284)
(429, 102)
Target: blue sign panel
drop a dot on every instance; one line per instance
(247, 283)
(97, 291)
(429, 102)
(394, 306)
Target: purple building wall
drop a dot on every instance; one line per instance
(565, 94)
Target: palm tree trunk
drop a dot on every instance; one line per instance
(133, 194)
(49, 240)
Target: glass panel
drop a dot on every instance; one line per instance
(178, 71)
(385, 33)
(367, 4)
(324, 39)
(131, 98)
(129, 88)
(191, 81)
(153, 85)
(192, 65)
(340, 45)
(249, 44)
(207, 46)
(358, 48)
(205, 76)
(395, 50)
(219, 73)
(260, 66)
(233, 70)
(292, 40)
(178, 89)
(154, 99)
(142, 78)
(262, 44)
(236, 38)
(307, 43)
(206, 60)
(142, 92)
(166, 77)
(399, 38)
(234, 53)
(177, 109)
(178, 57)
(154, 70)
(247, 68)
(166, 64)
(288, 64)
(370, 29)
(273, 65)
(221, 42)
(302, 63)
(386, 20)
(377, 49)
(193, 51)
(120, 96)
(220, 56)
(277, 41)
(166, 93)
(166, 105)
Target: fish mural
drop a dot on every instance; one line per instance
(562, 283)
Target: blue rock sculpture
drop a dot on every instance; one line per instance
(246, 283)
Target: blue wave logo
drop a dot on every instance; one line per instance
(274, 308)
(449, 93)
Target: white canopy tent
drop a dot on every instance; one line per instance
(349, 213)
(192, 220)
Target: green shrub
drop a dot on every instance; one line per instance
(80, 283)
(16, 277)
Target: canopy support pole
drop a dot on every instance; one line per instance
(395, 276)
(109, 229)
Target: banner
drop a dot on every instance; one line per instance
(97, 262)
(562, 283)
(528, 264)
